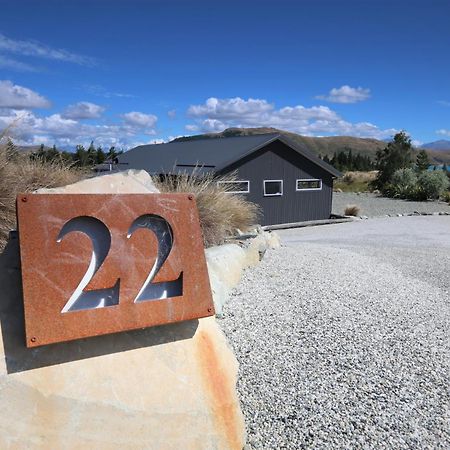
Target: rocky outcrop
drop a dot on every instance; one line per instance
(167, 387)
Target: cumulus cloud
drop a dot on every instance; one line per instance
(30, 129)
(172, 113)
(139, 119)
(19, 97)
(217, 114)
(346, 94)
(191, 127)
(83, 110)
(443, 132)
(39, 50)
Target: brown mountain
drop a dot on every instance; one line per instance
(320, 145)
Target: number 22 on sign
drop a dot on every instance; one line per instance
(101, 263)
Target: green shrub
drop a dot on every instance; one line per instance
(432, 184)
(403, 184)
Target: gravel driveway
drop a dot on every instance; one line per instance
(373, 205)
(343, 337)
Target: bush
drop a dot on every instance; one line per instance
(18, 173)
(432, 184)
(352, 210)
(221, 213)
(446, 197)
(403, 184)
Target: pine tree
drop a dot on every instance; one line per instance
(422, 161)
(396, 155)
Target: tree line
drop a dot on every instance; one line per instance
(82, 157)
(345, 160)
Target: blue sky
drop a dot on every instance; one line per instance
(128, 72)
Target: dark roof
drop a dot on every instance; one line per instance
(209, 154)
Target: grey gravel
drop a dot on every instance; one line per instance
(373, 205)
(342, 336)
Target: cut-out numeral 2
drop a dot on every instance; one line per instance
(100, 237)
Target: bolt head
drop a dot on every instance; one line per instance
(33, 339)
(24, 199)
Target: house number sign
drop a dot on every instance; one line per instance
(101, 263)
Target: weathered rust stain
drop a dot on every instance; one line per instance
(219, 390)
(53, 268)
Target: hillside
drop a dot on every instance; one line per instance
(322, 146)
(442, 145)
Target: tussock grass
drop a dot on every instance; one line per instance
(221, 213)
(355, 181)
(18, 173)
(352, 210)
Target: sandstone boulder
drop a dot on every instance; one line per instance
(126, 182)
(167, 387)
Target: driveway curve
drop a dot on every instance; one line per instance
(342, 336)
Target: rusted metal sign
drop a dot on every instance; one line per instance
(101, 263)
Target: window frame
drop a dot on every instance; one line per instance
(308, 189)
(273, 195)
(237, 181)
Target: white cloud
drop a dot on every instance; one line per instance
(172, 113)
(139, 119)
(217, 114)
(346, 94)
(230, 108)
(10, 63)
(416, 143)
(19, 97)
(443, 102)
(443, 132)
(101, 91)
(83, 110)
(39, 50)
(30, 129)
(191, 127)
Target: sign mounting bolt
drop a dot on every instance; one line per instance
(24, 199)
(33, 339)
(190, 197)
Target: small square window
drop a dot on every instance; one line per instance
(273, 188)
(235, 187)
(312, 184)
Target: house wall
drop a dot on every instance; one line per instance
(277, 161)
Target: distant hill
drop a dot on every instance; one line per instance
(321, 145)
(442, 145)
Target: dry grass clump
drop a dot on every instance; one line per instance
(352, 210)
(20, 174)
(221, 213)
(355, 181)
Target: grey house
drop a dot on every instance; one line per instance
(289, 182)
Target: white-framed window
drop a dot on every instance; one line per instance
(308, 184)
(236, 187)
(273, 188)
